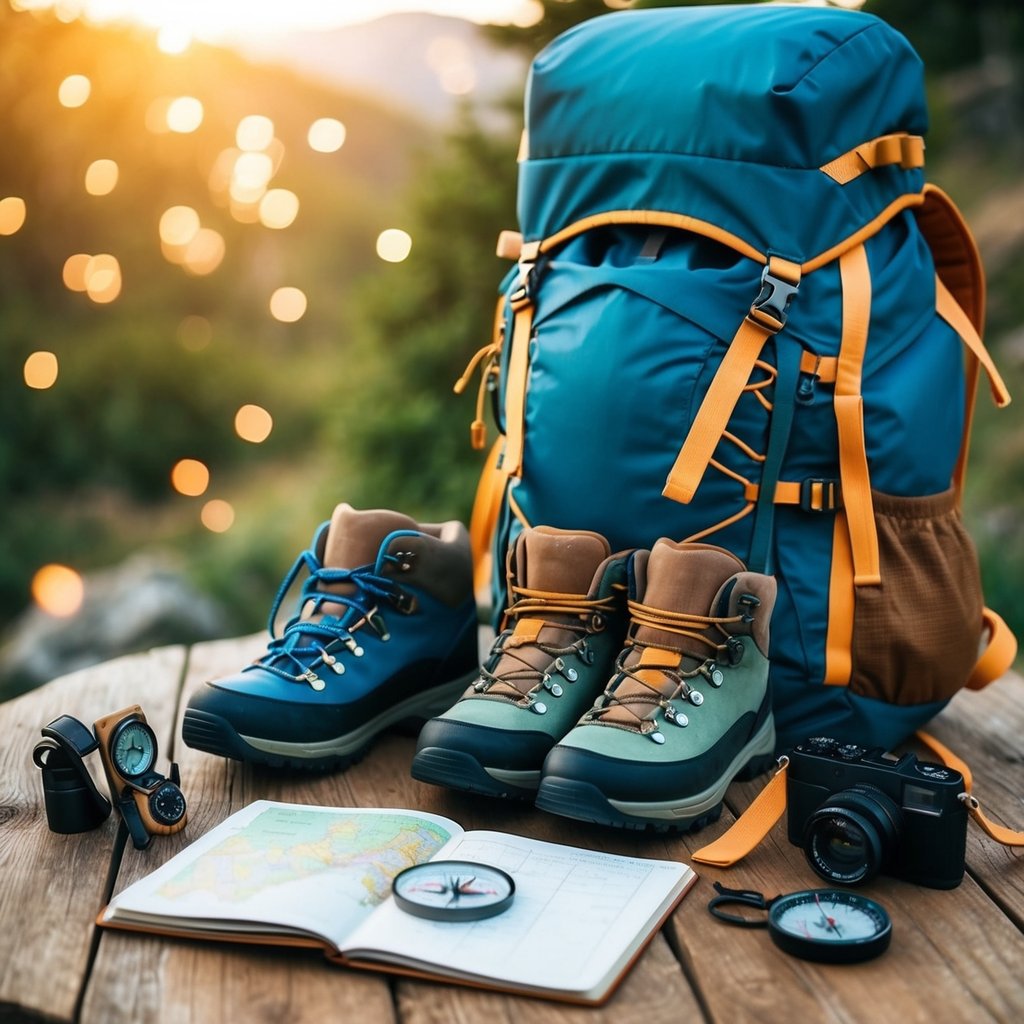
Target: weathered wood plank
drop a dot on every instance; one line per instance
(985, 729)
(139, 979)
(53, 885)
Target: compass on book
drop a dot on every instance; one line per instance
(453, 890)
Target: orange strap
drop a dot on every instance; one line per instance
(1000, 833)
(515, 387)
(949, 309)
(841, 608)
(484, 521)
(999, 653)
(814, 495)
(725, 390)
(751, 826)
(849, 408)
(822, 367)
(898, 148)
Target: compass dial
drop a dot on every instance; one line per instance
(133, 749)
(829, 925)
(453, 890)
(167, 804)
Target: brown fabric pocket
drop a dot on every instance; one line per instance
(915, 637)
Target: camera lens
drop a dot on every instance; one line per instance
(853, 835)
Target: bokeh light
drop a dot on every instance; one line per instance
(288, 305)
(190, 477)
(253, 423)
(102, 278)
(217, 515)
(41, 370)
(326, 135)
(184, 114)
(195, 333)
(278, 208)
(74, 91)
(394, 245)
(74, 271)
(250, 176)
(58, 590)
(12, 214)
(178, 225)
(101, 177)
(173, 39)
(254, 133)
(204, 253)
(452, 62)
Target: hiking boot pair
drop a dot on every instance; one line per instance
(386, 630)
(626, 689)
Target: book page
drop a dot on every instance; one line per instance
(577, 918)
(285, 868)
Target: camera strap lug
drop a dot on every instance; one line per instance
(1000, 833)
(751, 826)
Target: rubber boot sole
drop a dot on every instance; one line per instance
(214, 734)
(456, 769)
(574, 798)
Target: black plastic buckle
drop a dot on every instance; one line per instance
(775, 296)
(828, 495)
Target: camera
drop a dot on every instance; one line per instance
(858, 812)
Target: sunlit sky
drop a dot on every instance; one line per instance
(220, 20)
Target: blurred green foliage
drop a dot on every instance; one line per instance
(85, 465)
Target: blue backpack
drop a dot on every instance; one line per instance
(739, 314)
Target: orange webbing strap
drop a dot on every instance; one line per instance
(1000, 833)
(728, 384)
(751, 826)
(998, 655)
(841, 608)
(515, 387)
(849, 408)
(484, 521)
(950, 310)
(815, 495)
(898, 148)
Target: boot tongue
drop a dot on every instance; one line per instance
(684, 578)
(555, 562)
(680, 578)
(559, 562)
(354, 537)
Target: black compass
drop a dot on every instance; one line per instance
(453, 890)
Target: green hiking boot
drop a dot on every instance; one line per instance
(688, 706)
(565, 624)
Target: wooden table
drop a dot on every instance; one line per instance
(956, 956)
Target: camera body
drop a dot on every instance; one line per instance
(858, 812)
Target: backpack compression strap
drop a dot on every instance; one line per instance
(767, 316)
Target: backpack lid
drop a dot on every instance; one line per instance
(724, 114)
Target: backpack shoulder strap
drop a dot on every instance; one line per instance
(960, 300)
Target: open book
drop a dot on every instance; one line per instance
(294, 874)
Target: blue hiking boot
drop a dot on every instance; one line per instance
(565, 624)
(688, 706)
(386, 630)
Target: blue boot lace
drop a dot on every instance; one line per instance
(306, 646)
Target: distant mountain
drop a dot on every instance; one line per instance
(420, 62)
